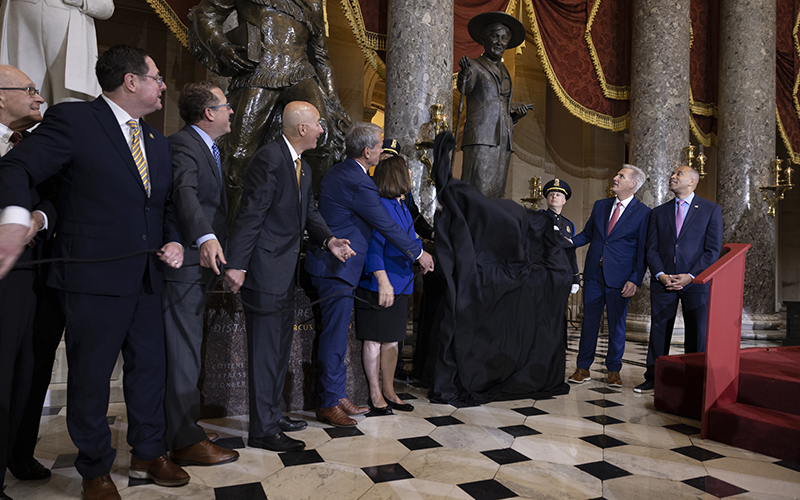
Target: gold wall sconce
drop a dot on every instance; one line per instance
(430, 130)
(535, 188)
(782, 182)
(688, 153)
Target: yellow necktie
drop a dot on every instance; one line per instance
(299, 168)
(138, 157)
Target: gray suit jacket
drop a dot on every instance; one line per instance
(199, 195)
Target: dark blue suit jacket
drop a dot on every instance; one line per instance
(350, 204)
(382, 256)
(103, 209)
(697, 247)
(623, 251)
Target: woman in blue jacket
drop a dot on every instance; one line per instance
(384, 288)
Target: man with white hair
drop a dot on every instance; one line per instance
(616, 233)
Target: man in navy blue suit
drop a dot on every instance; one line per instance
(117, 177)
(614, 269)
(684, 237)
(350, 204)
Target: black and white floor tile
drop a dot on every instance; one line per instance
(593, 443)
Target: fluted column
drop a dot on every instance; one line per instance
(659, 112)
(746, 130)
(419, 73)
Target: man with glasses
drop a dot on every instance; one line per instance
(199, 196)
(114, 198)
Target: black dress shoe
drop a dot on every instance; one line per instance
(399, 406)
(289, 425)
(375, 411)
(28, 470)
(278, 442)
(646, 386)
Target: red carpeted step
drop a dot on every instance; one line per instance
(762, 430)
(679, 384)
(770, 378)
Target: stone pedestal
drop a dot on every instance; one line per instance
(224, 378)
(659, 116)
(746, 130)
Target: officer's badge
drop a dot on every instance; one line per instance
(557, 182)
(569, 229)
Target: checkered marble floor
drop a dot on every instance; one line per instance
(593, 443)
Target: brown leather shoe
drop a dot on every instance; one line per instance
(614, 380)
(100, 488)
(580, 376)
(348, 407)
(204, 453)
(212, 436)
(335, 416)
(160, 470)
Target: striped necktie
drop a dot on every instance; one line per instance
(138, 157)
(215, 152)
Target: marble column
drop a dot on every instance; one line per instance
(419, 74)
(659, 114)
(746, 130)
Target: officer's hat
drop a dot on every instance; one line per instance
(557, 185)
(391, 146)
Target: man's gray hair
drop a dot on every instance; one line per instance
(638, 175)
(361, 135)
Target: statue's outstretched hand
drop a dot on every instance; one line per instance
(230, 58)
(464, 62)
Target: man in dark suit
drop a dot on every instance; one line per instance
(614, 269)
(19, 110)
(684, 237)
(199, 196)
(277, 206)
(350, 203)
(117, 179)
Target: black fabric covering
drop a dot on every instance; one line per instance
(502, 330)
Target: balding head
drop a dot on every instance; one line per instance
(301, 125)
(19, 110)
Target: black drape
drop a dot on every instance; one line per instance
(502, 331)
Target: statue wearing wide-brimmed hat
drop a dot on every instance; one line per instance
(486, 84)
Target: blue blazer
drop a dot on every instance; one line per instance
(386, 257)
(697, 247)
(350, 204)
(623, 251)
(104, 210)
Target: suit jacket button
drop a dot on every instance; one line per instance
(144, 236)
(296, 250)
(146, 209)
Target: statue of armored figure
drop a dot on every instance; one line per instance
(277, 54)
(485, 82)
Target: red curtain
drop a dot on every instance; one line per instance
(786, 77)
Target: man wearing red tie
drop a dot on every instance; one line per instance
(684, 238)
(614, 269)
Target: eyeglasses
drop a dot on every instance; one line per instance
(158, 79)
(32, 91)
(227, 105)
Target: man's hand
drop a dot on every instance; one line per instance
(678, 281)
(210, 253)
(426, 262)
(340, 248)
(12, 242)
(234, 278)
(229, 57)
(628, 290)
(37, 224)
(172, 254)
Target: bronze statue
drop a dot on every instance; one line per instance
(486, 84)
(277, 54)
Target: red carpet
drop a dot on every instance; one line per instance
(766, 416)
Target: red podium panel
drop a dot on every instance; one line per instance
(726, 295)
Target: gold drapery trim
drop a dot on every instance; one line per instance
(617, 92)
(706, 140)
(797, 78)
(171, 19)
(366, 40)
(793, 156)
(587, 115)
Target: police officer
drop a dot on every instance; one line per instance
(556, 194)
